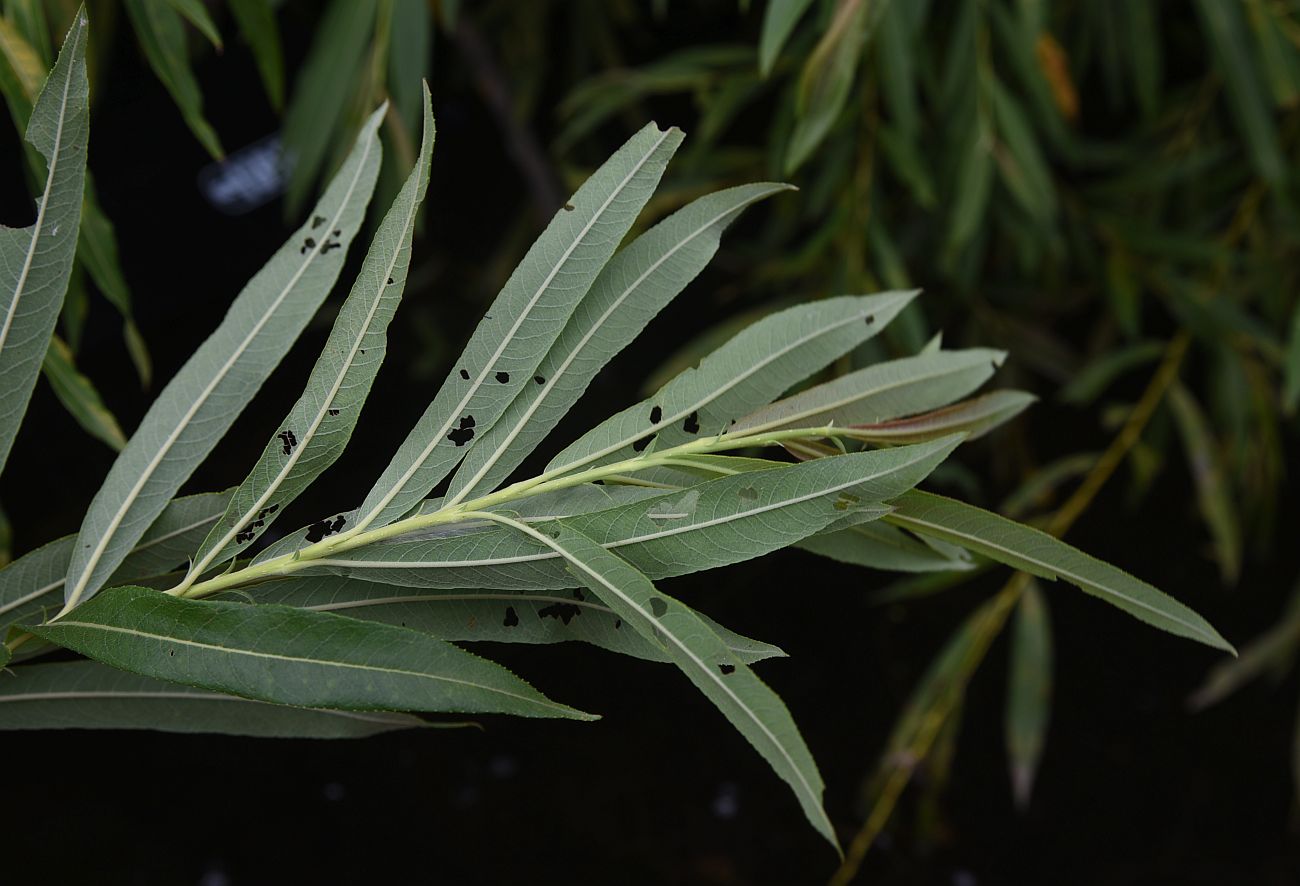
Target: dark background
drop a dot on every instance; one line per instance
(1133, 788)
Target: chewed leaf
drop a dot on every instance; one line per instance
(748, 372)
(318, 427)
(291, 656)
(89, 695)
(528, 315)
(1042, 555)
(202, 401)
(36, 261)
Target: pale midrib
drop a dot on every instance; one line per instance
(346, 367)
(546, 389)
(454, 414)
(830, 406)
(45, 199)
(26, 598)
(440, 598)
(633, 540)
(977, 542)
(183, 696)
(686, 650)
(93, 561)
(715, 394)
(317, 662)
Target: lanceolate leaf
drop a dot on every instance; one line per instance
(200, 403)
(79, 396)
(974, 418)
(197, 14)
(716, 523)
(1029, 691)
(635, 286)
(32, 586)
(881, 392)
(256, 20)
(749, 371)
(754, 709)
(880, 546)
(89, 695)
(36, 261)
(1046, 557)
(291, 656)
(488, 615)
(318, 427)
(779, 19)
(503, 354)
(161, 32)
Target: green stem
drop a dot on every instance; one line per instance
(549, 481)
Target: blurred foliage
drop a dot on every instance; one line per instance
(1107, 189)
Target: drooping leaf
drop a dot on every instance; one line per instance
(1029, 691)
(97, 253)
(714, 524)
(317, 429)
(204, 398)
(974, 418)
(1271, 651)
(36, 261)
(528, 315)
(754, 709)
(197, 14)
(878, 545)
(779, 19)
(327, 76)
(89, 695)
(31, 587)
(880, 392)
(256, 20)
(748, 372)
(631, 290)
(161, 32)
(78, 395)
(291, 656)
(498, 616)
(1211, 482)
(409, 57)
(1038, 553)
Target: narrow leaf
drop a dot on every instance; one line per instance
(1211, 481)
(880, 546)
(974, 418)
(631, 290)
(505, 350)
(1046, 557)
(779, 19)
(256, 20)
(89, 695)
(36, 261)
(197, 14)
(749, 371)
(1029, 691)
(317, 429)
(291, 656)
(79, 396)
(208, 393)
(161, 33)
(488, 615)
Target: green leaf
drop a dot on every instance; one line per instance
(317, 429)
(97, 253)
(779, 19)
(256, 20)
(631, 290)
(1029, 691)
(749, 371)
(32, 585)
(89, 695)
(409, 55)
(197, 14)
(512, 339)
(36, 261)
(754, 709)
(974, 418)
(291, 656)
(330, 72)
(1212, 490)
(202, 401)
(161, 33)
(714, 524)
(1046, 557)
(488, 615)
(881, 392)
(880, 546)
(1273, 650)
(28, 18)
(1092, 380)
(79, 396)
(1234, 56)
